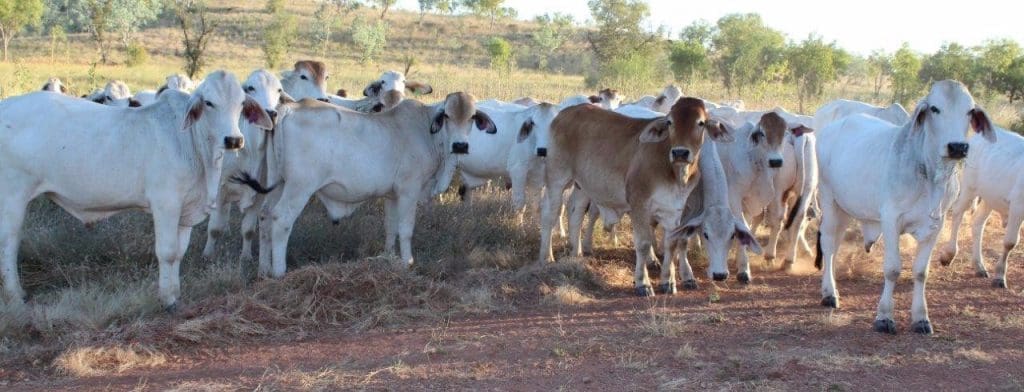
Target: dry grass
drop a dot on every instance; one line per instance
(661, 322)
(98, 361)
(567, 295)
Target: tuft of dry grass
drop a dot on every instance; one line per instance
(567, 295)
(660, 321)
(98, 361)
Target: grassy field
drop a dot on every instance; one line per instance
(93, 288)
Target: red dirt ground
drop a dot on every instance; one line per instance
(770, 335)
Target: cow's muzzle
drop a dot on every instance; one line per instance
(775, 163)
(272, 114)
(542, 152)
(460, 148)
(680, 155)
(233, 143)
(957, 150)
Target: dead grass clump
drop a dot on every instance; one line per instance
(661, 322)
(98, 361)
(562, 273)
(567, 295)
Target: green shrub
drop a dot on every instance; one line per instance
(136, 55)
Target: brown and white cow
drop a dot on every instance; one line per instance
(645, 167)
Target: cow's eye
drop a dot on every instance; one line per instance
(701, 123)
(935, 110)
(208, 103)
(280, 90)
(705, 236)
(250, 89)
(303, 77)
(327, 77)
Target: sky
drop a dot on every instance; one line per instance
(859, 26)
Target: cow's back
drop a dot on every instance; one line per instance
(854, 155)
(994, 170)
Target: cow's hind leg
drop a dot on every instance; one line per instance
(249, 222)
(830, 236)
(1010, 240)
(981, 215)
(282, 218)
(216, 227)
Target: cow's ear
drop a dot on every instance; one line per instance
(524, 131)
(718, 131)
(285, 98)
(195, 111)
(484, 123)
(254, 114)
(800, 130)
(744, 237)
(342, 93)
(688, 229)
(594, 99)
(660, 100)
(982, 124)
(656, 131)
(920, 112)
(438, 122)
(132, 103)
(418, 88)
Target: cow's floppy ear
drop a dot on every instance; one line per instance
(63, 89)
(594, 99)
(195, 111)
(254, 114)
(524, 131)
(132, 103)
(744, 237)
(285, 98)
(800, 130)
(656, 131)
(438, 122)
(718, 131)
(687, 230)
(418, 88)
(982, 124)
(660, 100)
(484, 123)
(920, 112)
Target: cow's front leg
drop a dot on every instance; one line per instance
(168, 252)
(891, 270)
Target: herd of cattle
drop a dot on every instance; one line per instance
(690, 166)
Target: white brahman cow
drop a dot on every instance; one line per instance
(95, 161)
(895, 179)
(840, 108)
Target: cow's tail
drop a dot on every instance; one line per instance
(818, 253)
(807, 176)
(273, 157)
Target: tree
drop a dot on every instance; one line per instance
(369, 38)
(490, 8)
(554, 31)
(689, 60)
(196, 30)
(384, 5)
(326, 19)
(812, 65)
(127, 16)
(1011, 82)
(618, 28)
(905, 67)
(951, 61)
(700, 32)
(502, 58)
(747, 51)
(993, 63)
(425, 6)
(15, 15)
(102, 19)
(879, 68)
(278, 36)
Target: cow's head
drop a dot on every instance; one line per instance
(116, 93)
(180, 82)
(945, 116)
(767, 138)
(718, 227)
(55, 85)
(307, 79)
(215, 108)
(536, 130)
(456, 118)
(669, 96)
(606, 98)
(266, 91)
(684, 130)
(389, 89)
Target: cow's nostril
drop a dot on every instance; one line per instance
(272, 114)
(233, 143)
(460, 148)
(542, 152)
(775, 163)
(957, 150)
(680, 154)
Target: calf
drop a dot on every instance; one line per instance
(662, 103)
(116, 93)
(346, 158)
(994, 173)
(384, 93)
(55, 85)
(644, 167)
(95, 161)
(895, 180)
(265, 89)
(606, 98)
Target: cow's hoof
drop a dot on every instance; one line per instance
(945, 260)
(922, 327)
(743, 277)
(171, 309)
(718, 277)
(787, 265)
(981, 274)
(886, 326)
(999, 283)
(690, 285)
(645, 291)
(667, 288)
(830, 302)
